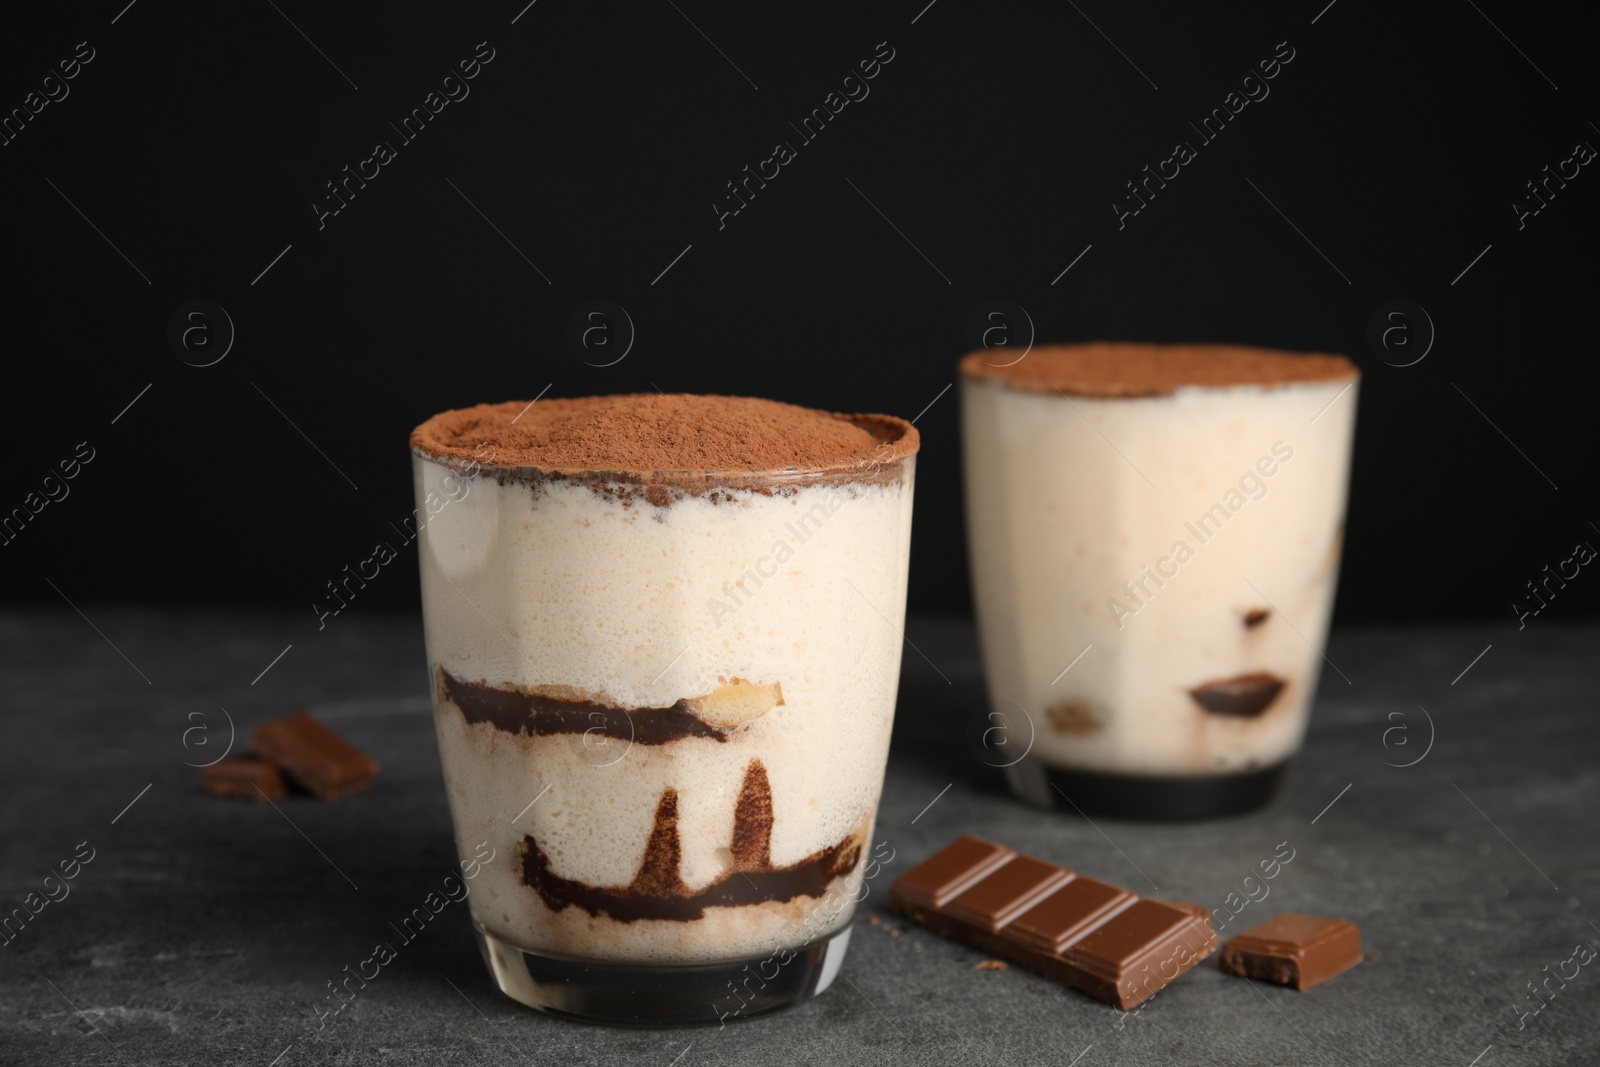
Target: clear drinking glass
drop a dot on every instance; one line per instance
(1154, 558)
(663, 704)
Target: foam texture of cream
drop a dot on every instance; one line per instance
(643, 605)
(1058, 520)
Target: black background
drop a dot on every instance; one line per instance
(597, 140)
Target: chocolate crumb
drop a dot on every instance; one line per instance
(1255, 617)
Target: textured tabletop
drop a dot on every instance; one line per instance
(205, 931)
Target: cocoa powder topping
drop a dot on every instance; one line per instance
(652, 433)
(1125, 369)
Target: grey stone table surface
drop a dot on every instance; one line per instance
(204, 931)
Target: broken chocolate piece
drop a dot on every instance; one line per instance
(1244, 695)
(314, 756)
(1081, 932)
(246, 777)
(1298, 950)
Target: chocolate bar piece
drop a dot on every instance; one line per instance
(941, 876)
(247, 777)
(314, 756)
(1112, 944)
(1298, 950)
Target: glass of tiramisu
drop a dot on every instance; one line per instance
(663, 683)
(1155, 534)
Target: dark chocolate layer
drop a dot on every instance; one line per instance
(517, 711)
(658, 891)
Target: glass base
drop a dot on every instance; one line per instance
(642, 994)
(1168, 797)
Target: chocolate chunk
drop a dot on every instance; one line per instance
(1255, 617)
(1244, 695)
(1298, 950)
(247, 777)
(1081, 932)
(314, 756)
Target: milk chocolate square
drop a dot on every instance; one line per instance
(1140, 950)
(1008, 891)
(245, 777)
(962, 863)
(314, 756)
(1064, 916)
(1298, 950)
